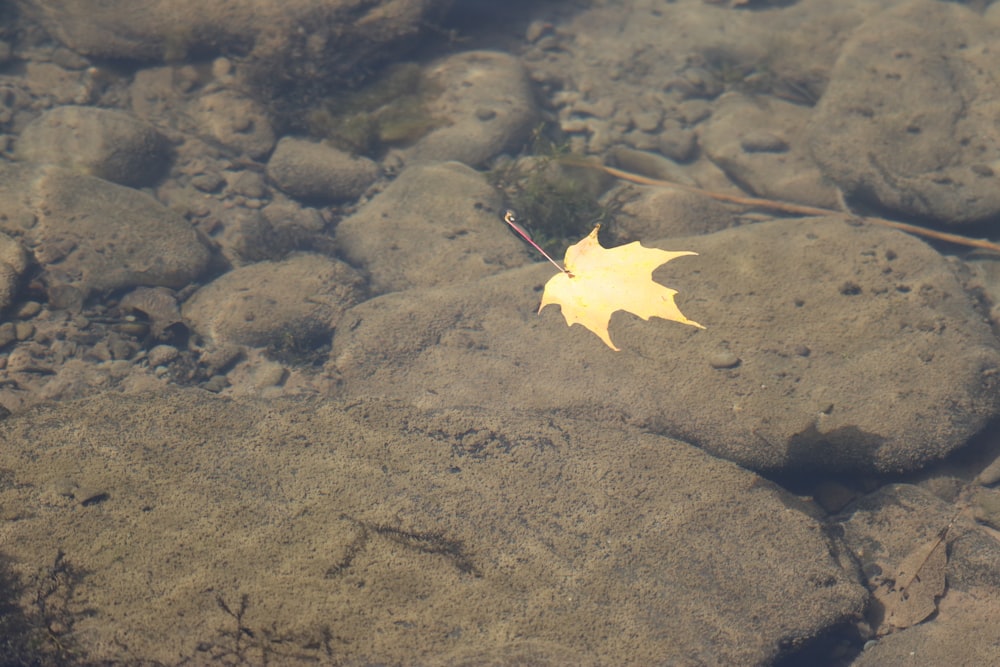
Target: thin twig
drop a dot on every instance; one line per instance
(787, 207)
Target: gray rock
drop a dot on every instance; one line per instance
(285, 41)
(160, 355)
(907, 121)
(289, 217)
(486, 104)
(13, 264)
(285, 304)
(858, 350)
(443, 537)
(884, 528)
(962, 633)
(236, 122)
(656, 213)
(317, 172)
(94, 235)
(916, 517)
(113, 145)
(8, 334)
(759, 143)
(434, 225)
(245, 236)
(157, 305)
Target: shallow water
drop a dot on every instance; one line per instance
(279, 391)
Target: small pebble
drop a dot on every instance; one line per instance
(207, 182)
(216, 383)
(27, 310)
(763, 142)
(246, 184)
(65, 297)
(536, 30)
(723, 359)
(8, 334)
(269, 375)
(647, 121)
(990, 475)
(24, 330)
(161, 355)
(484, 114)
(221, 67)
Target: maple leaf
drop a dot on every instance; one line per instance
(599, 281)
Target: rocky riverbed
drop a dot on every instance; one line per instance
(275, 389)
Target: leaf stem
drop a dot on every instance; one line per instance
(511, 219)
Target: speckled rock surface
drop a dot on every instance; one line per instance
(486, 106)
(908, 120)
(441, 537)
(293, 302)
(858, 350)
(235, 121)
(761, 145)
(434, 225)
(531, 509)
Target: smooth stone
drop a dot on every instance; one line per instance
(90, 235)
(316, 172)
(294, 302)
(723, 359)
(486, 105)
(106, 143)
(435, 224)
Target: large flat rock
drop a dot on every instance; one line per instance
(828, 346)
(373, 533)
(908, 120)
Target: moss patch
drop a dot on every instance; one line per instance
(391, 110)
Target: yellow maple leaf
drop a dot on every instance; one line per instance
(599, 281)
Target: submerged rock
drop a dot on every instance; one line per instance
(858, 348)
(436, 537)
(94, 235)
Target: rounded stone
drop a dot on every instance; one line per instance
(97, 236)
(723, 359)
(113, 145)
(236, 122)
(287, 304)
(313, 171)
(908, 120)
(13, 263)
(487, 103)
